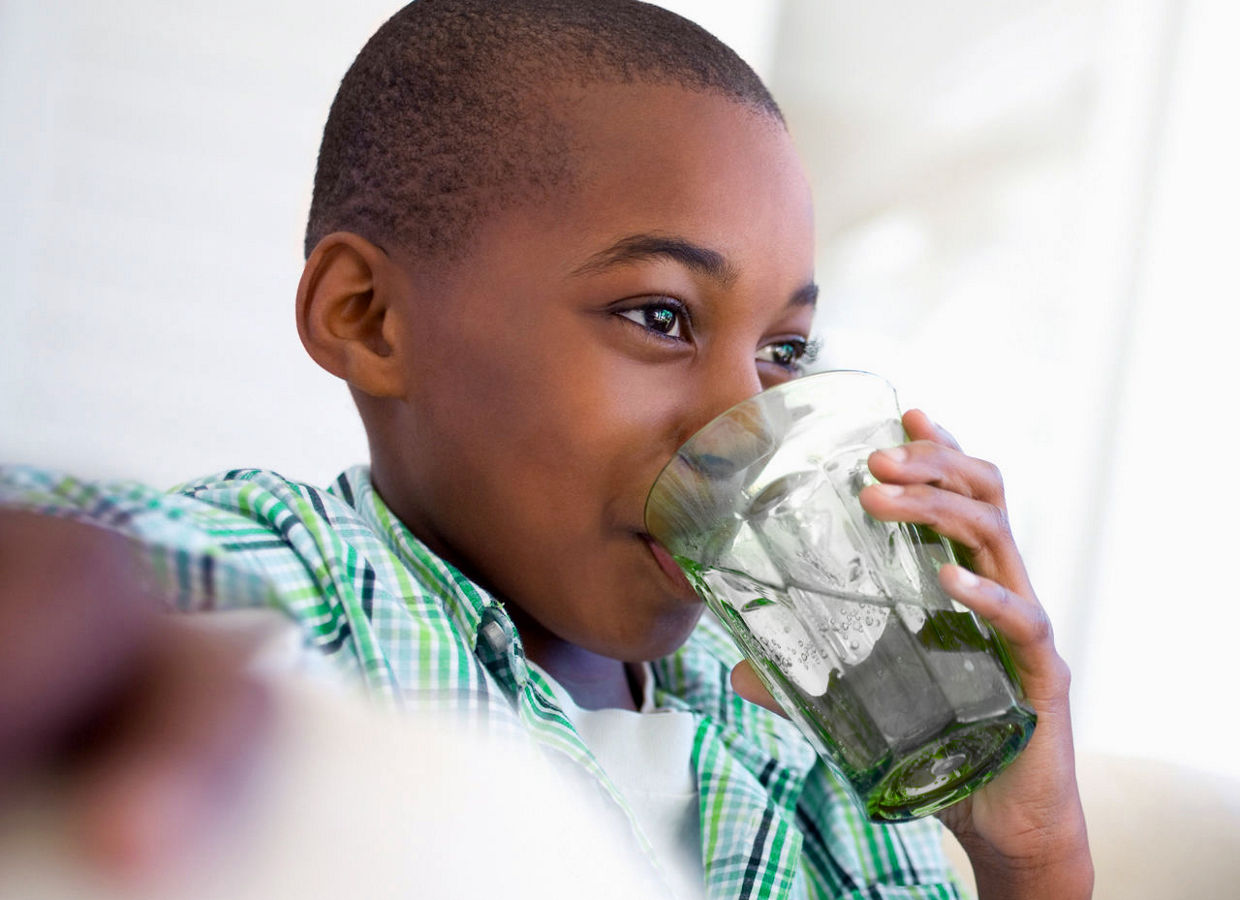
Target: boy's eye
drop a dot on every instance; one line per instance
(788, 354)
(665, 317)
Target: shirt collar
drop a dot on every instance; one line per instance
(472, 608)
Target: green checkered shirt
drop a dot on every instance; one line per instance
(417, 633)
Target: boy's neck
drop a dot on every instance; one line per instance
(592, 680)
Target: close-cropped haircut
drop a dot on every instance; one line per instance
(448, 114)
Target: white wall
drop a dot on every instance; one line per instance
(158, 159)
(1165, 614)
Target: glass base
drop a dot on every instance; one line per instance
(949, 769)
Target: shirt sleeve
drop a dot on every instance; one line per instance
(244, 539)
(183, 542)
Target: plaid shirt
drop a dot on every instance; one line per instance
(417, 633)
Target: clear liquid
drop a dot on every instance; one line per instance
(916, 707)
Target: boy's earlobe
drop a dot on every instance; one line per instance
(345, 314)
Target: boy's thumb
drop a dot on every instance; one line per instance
(746, 683)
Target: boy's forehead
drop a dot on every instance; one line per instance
(633, 135)
(694, 156)
(651, 161)
(630, 111)
(639, 155)
(666, 176)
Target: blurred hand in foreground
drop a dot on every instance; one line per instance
(149, 721)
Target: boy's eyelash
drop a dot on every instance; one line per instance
(683, 317)
(808, 347)
(804, 350)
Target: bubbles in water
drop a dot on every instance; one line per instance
(788, 645)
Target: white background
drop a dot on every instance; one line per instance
(1026, 214)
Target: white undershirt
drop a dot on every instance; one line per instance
(648, 755)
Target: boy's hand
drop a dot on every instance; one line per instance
(1025, 831)
(148, 719)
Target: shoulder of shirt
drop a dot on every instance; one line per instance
(130, 507)
(244, 515)
(339, 497)
(33, 488)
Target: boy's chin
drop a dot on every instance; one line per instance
(664, 637)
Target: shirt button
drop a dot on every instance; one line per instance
(493, 633)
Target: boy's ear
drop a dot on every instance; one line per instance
(347, 316)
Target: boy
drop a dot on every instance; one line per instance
(548, 241)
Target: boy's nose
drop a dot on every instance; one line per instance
(721, 389)
(701, 481)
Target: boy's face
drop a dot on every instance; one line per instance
(550, 375)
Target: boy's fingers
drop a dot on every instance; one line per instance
(926, 462)
(1023, 623)
(982, 528)
(74, 611)
(151, 719)
(746, 683)
(170, 761)
(920, 427)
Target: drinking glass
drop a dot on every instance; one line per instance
(908, 694)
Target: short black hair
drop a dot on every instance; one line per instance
(448, 112)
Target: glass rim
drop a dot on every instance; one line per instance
(788, 387)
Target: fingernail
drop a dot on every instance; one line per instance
(891, 490)
(965, 578)
(895, 454)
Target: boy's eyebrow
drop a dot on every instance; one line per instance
(806, 296)
(640, 247)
